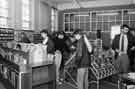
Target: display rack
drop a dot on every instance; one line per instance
(70, 71)
(6, 34)
(15, 73)
(102, 65)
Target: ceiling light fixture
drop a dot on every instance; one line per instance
(78, 3)
(105, 14)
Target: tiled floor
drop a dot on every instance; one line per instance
(103, 85)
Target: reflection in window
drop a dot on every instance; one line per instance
(26, 14)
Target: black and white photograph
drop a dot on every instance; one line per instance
(67, 44)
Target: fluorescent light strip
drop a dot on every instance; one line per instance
(81, 15)
(104, 14)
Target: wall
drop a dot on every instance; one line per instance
(105, 35)
(60, 20)
(42, 15)
(45, 16)
(15, 14)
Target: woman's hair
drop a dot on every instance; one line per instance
(124, 25)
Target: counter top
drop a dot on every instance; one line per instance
(41, 64)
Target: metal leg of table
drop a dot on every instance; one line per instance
(125, 86)
(97, 84)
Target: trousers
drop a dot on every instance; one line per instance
(122, 63)
(58, 58)
(82, 78)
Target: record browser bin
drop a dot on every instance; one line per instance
(102, 65)
(17, 73)
(14, 73)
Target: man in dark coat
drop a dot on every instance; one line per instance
(47, 41)
(122, 45)
(83, 50)
(132, 50)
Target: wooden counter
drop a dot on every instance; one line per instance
(43, 73)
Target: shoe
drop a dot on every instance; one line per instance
(60, 83)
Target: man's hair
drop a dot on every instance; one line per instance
(78, 31)
(124, 25)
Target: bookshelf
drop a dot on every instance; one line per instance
(6, 34)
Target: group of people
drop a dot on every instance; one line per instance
(123, 45)
(62, 44)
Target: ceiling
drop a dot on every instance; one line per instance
(71, 4)
(68, 1)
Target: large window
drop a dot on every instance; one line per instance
(54, 19)
(3, 13)
(26, 14)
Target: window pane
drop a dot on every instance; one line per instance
(3, 12)
(26, 2)
(25, 14)
(25, 11)
(26, 24)
(3, 22)
(26, 18)
(53, 12)
(3, 3)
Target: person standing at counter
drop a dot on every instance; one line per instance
(82, 59)
(47, 41)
